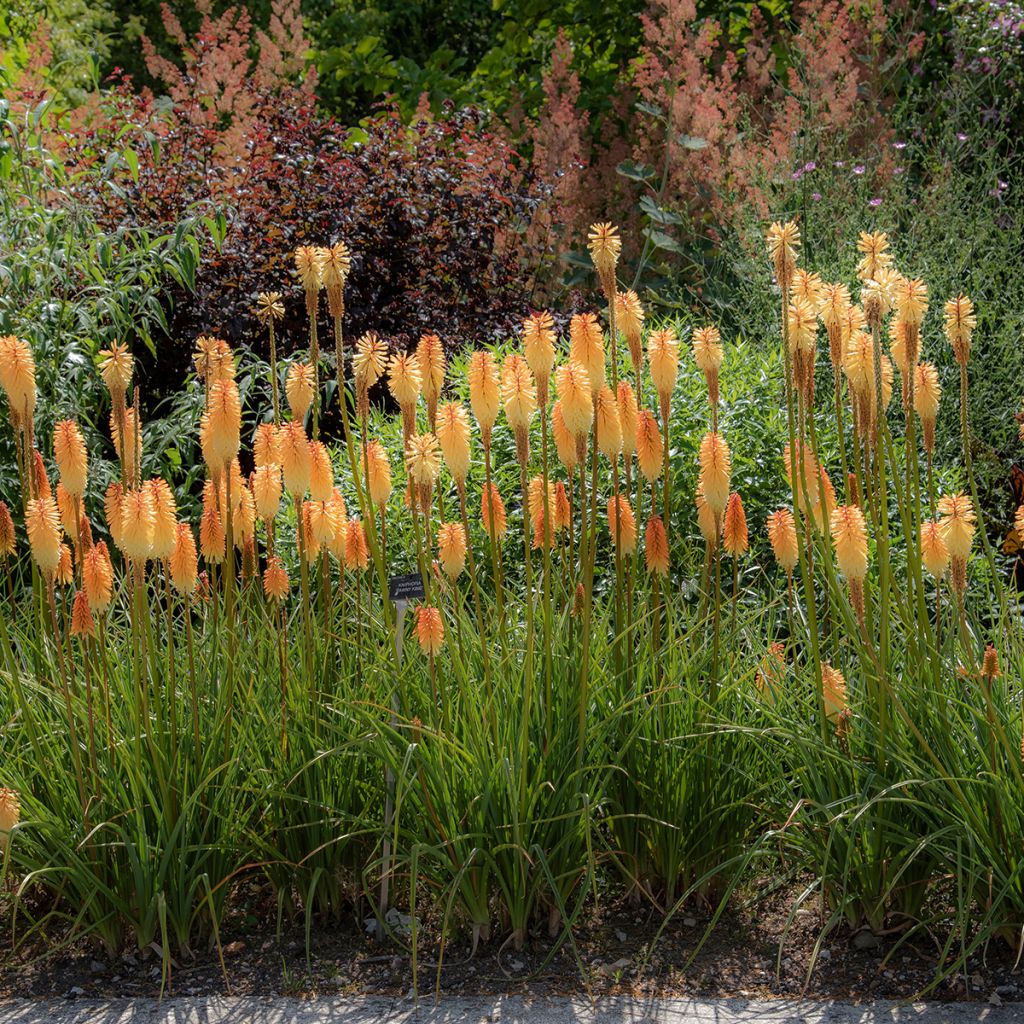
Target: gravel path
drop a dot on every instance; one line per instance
(500, 1010)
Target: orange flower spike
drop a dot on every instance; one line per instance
(735, 537)
(656, 547)
(429, 630)
(71, 456)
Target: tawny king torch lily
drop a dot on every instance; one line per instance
(605, 245)
(539, 350)
(707, 354)
(957, 523)
(629, 319)
(783, 241)
(715, 471)
(18, 379)
(405, 382)
(431, 363)
(8, 539)
(519, 396)
(369, 365)
(850, 541)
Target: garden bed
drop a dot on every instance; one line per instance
(739, 958)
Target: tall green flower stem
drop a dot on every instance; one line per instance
(477, 601)
(274, 385)
(881, 539)
(965, 433)
(492, 536)
(521, 450)
(312, 305)
(546, 534)
(805, 575)
(618, 631)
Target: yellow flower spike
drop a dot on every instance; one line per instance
(10, 815)
(266, 446)
(112, 511)
(808, 288)
(708, 355)
(629, 318)
(609, 426)
(322, 521)
(850, 541)
(834, 690)
(116, 367)
(451, 549)
(878, 295)
(782, 537)
(491, 505)
(565, 441)
(535, 504)
(309, 266)
(875, 255)
(575, 398)
(212, 540)
(927, 395)
(267, 490)
(622, 524)
(663, 357)
(98, 577)
(628, 417)
(422, 460)
(357, 553)
(71, 456)
(959, 323)
(431, 363)
(335, 264)
(296, 458)
(650, 455)
(269, 307)
(138, 524)
(321, 472)
(958, 524)
(224, 418)
(519, 397)
(782, 241)
(370, 360)
(453, 437)
(934, 553)
(911, 299)
(707, 522)
(586, 348)
(8, 539)
(605, 245)
(539, 346)
(18, 378)
(405, 383)
(165, 521)
(299, 388)
(834, 312)
(484, 392)
(378, 469)
(563, 508)
(715, 471)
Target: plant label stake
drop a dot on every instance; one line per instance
(401, 589)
